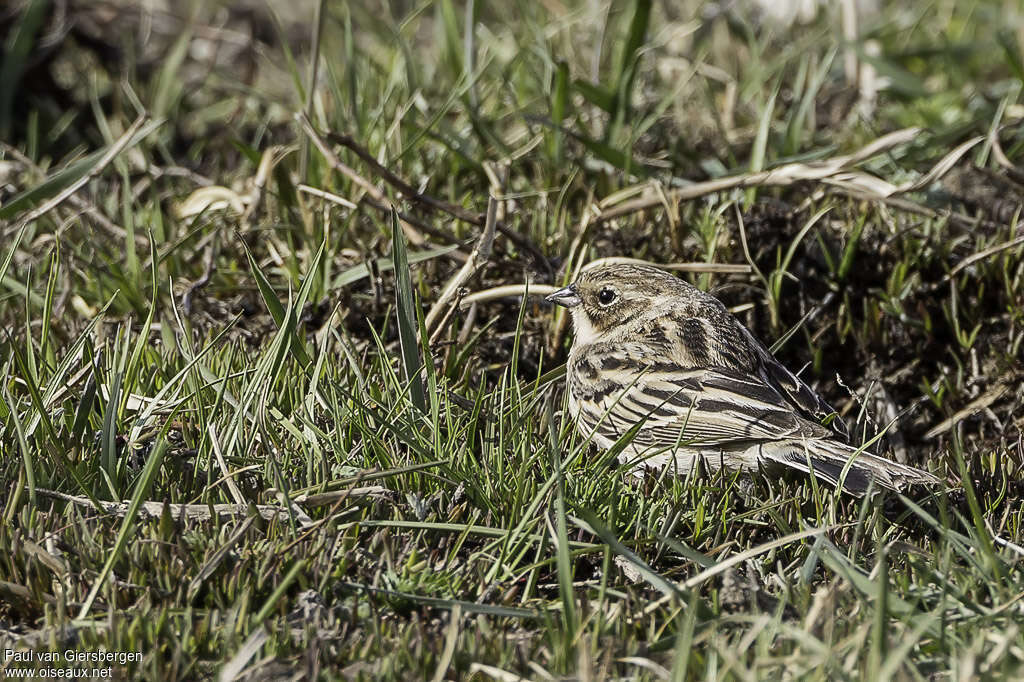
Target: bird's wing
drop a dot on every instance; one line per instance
(801, 396)
(702, 407)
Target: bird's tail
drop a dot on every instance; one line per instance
(829, 459)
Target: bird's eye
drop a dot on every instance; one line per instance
(606, 296)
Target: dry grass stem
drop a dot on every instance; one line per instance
(474, 264)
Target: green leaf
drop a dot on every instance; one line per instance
(267, 292)
(1011, 50)
(607, 153)
(629, 57)
(285, 317)
(759, 150)
(851, 248)
(169, 82)
(149, 473)
(406, 315)
(900, 80)
(361, 271)
(684, 640)
(565, 573)
(27, 453)
(20, 43)
(800, 114)
(439, 603)
(559, 106)
(663, 585)
(595, 94)
(108, 451)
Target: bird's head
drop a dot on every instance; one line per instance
(608, 298)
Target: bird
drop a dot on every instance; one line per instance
(657, 359)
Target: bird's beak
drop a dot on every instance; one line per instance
(567, 298)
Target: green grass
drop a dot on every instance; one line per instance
(398, 504)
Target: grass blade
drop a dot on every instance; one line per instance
(406, 316)
(20, 43)
(69, 175)
(149, 474)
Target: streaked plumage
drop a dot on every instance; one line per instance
(651, 348)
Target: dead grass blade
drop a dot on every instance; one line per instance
(834, 172)
(199, 512)
(783, 175)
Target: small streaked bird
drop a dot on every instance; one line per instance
(652, 350)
